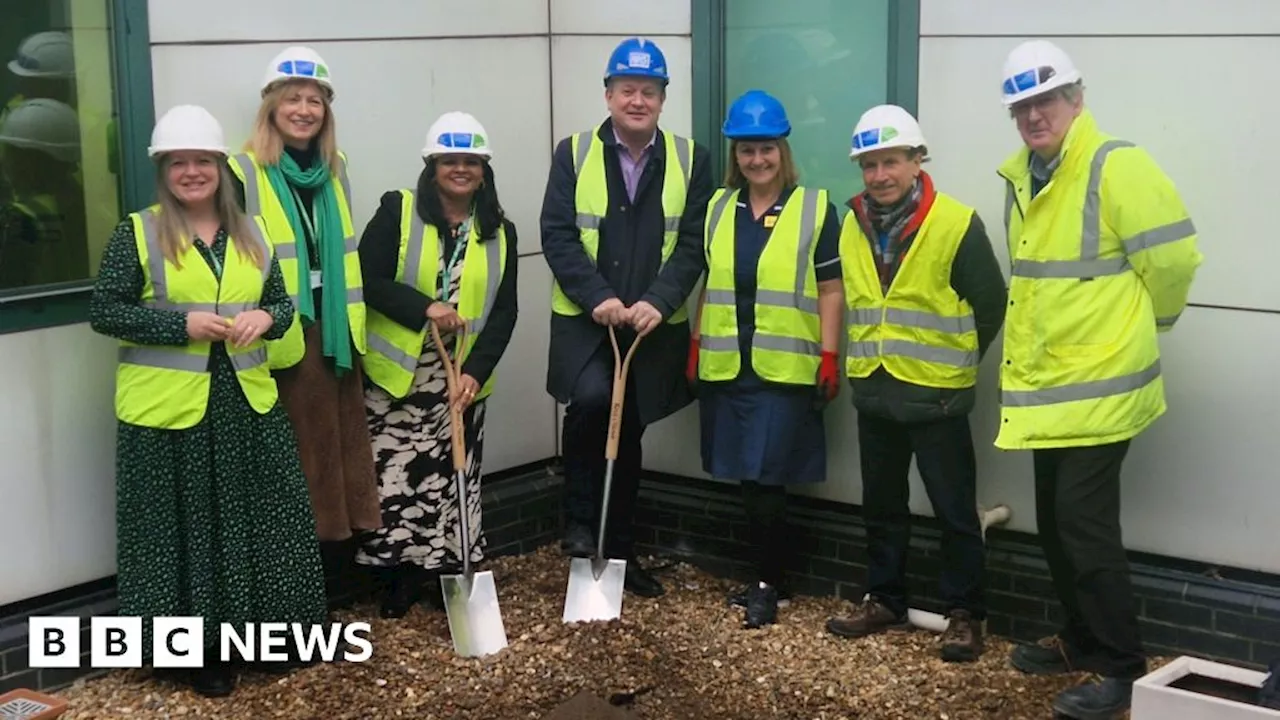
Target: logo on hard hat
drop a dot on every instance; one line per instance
(640, 60)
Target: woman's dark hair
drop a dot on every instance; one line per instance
(488, 211)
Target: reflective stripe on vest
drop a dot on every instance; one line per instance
(260, 200)
(786, 346)
(394, 350)
(1081, 357)
(168, 386)
(591, 202)
(922, 332)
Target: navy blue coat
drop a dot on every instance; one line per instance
(629, 258)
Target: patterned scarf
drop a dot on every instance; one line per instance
(888, 220)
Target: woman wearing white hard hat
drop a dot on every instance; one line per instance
(925, 298)
(293, 175)
(212, 513)
(441, 253)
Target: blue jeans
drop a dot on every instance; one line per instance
(945, 457)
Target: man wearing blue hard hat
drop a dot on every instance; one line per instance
(766, 349)
(926, 298)
(622, 233)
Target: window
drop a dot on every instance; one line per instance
(66, 68)
(827, 61)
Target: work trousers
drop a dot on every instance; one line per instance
(585, 432)
(945, 457)
(1078, 517)
(766, 507)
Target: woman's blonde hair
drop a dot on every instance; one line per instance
(735, 180)
(174, 232)
(266, 143)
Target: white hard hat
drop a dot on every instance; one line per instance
(456, 132)
(1033, 68)
(45, 55)
(298, 63)
(885, 126)
(46, 125)
(187, 127)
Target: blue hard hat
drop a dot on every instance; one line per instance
(756, 114)
(637, 57)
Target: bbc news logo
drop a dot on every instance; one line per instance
(178, 642)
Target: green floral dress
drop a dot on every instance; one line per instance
(215, 520)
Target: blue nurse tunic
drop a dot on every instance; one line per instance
(753, 429)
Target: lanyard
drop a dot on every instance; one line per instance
(444, 279)
(306, 219)
(213, 258)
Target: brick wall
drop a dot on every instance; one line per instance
(1183, 610)
(1223, 614)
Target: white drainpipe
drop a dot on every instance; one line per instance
(934, 622)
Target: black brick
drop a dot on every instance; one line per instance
(643, 535)
(1158, 587)
(1038, 587)
(1246, 626)
(1221, 598)
(1268, 607)
(1266, 653)
(850, 592)
(707, 526)
(811, 586)
(852, 552)
(1159, 633)
(813, 544)
(665, 519)
(1212, 644)
(1019, 606)
(1000, 625)
(998, 580)
(1177, 613)
(29, 679)
(541, 507)
(836, 571)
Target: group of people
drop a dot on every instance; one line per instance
(309, 402)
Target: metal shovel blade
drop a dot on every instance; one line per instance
(595, 589)
(475, 622)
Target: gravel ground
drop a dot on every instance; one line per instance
(684, 656)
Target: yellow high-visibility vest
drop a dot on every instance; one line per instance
(591, 200)
(167, 386)
(260, 199)
(394, 349)
(1081, 359)
(922, 332)
(787, 344)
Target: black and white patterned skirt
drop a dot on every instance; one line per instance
(413, 457)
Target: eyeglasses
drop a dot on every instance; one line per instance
(1024, 81)
(461, 140)
(303, 68)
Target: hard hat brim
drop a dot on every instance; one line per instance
(155, 150)
(17, 69)
(324, 84)
(1054, 83)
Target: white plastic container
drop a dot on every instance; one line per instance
(1155, 696)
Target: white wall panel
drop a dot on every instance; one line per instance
(57, 438)
(383, 119)
(1138, 89)
(307, 21)
(620, 17)
(1099, 17)
(577, 72)
(520, 422)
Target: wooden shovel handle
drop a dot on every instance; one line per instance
(621, 366)
(452, 378)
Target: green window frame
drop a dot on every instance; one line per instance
(709, 96)
(48, 306)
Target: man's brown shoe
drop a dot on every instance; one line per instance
(868, 618)
(962, 640)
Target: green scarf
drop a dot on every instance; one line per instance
(331, 241)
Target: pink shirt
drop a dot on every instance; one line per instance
(632, 169)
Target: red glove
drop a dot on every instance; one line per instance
(829, 376)
(691, 369)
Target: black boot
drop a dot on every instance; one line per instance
(405, 591)
(762, 605)
(1103, 700)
